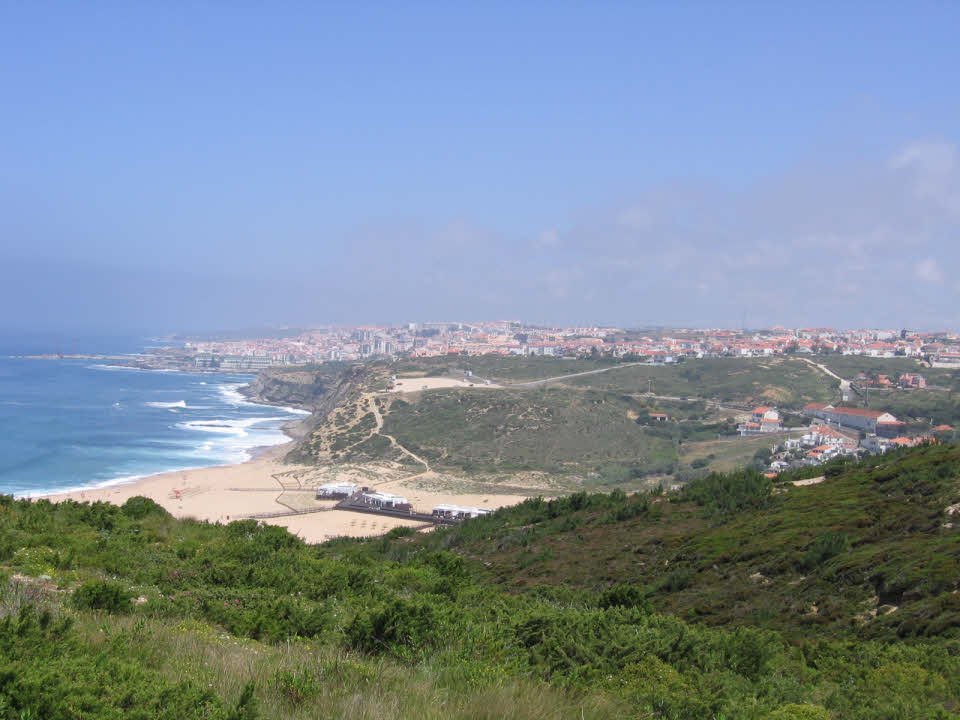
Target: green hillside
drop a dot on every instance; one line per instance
(555, 429)
(733, 599)
(785, 382)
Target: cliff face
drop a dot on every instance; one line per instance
(293, 388)
(319, 389)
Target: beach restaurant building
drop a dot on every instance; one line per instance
(456, 512)
(385, 501)
(336, 491)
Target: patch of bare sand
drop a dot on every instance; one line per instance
(320, 527)
(425, 496)
(406, 385)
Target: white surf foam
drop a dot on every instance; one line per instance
(227, 427)
(232, 395)
(99, 366)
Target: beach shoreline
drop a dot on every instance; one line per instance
(264, 484)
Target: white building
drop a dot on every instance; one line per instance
(336, 491)
(457, 512)
(388, 501)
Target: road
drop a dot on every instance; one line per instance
(558, 378)
(846, 386)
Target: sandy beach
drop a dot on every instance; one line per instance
(266, 484)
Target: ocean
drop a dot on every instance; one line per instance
(71, 424)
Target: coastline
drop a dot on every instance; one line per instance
(265, 483)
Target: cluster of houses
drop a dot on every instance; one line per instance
(834, 432)
(907, 381)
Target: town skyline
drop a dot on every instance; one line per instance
(512, 337)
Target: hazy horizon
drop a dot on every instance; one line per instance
(191, 169)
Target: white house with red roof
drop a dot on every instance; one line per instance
(762, 420)
(873, 421)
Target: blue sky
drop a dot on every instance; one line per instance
(209, 165)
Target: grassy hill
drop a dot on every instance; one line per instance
(733, 599)
(554, 430)
(847, 366)
(789, 383)
(587, 430)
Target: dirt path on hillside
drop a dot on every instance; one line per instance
(393, 441)
(824, 369)
(560, 378)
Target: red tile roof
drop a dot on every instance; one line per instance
(861, 412)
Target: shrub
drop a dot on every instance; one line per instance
(825, 547)
(399, 532)
(140, 507)
(246, 707)
(724, 494)
(677, 579)
(628, 596)
(297, 685)
(102, 595)
(403, 627)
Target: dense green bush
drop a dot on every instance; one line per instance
(140, 507)
(626, 596)
(405, 628)
(723, 494)
(642, 600)
(825, 547)
(48, 671)
(102, 595)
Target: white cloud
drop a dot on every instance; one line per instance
(928, 157)
(548, 239)
(934, 171)
(928, 271)
(635, 219)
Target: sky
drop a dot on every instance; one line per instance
(213, 165)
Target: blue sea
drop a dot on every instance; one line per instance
(69, 424)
